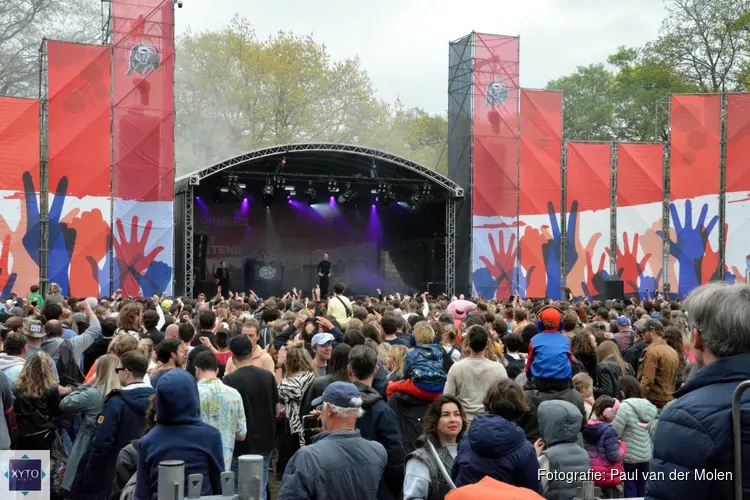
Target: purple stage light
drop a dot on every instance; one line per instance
(197, 197)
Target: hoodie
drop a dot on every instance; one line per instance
(179, 435)
(600, 442)
(261, 359)
(11, 366)
(79, 343)
(122, 420)
(559, 425)
(634, 411)
(379, 424)
(497, 448)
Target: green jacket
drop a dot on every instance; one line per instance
(87, 401)
(633, 411)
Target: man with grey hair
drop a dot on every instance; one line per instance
(694, 435)
(339, 464)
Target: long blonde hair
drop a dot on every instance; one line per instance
(36, 377)
(106, 377)
(297, 359)
(608, 349)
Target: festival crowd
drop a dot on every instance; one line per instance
(387, 397)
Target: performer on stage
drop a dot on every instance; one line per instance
(222, 278)
(324, 272)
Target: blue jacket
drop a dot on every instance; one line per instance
(379, 424)
(695, 432)
(122, 420)
(550, 356)
(424, 366)
(497, 448)
(179, 435)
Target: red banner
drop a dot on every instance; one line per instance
(19, 186)
(541, 148)
(588, 175)
(640, 174)
(695, 149)
(144, 99)
(79, 117)
(495, 125)
(738, 142)
(19, 142)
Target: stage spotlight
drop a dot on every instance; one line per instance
(348, 196)
(224, 190)
(415, 200)
(333, 186)
(268, 188)
(374, 171)
(237, 191)
(279, 182)
(385, 194)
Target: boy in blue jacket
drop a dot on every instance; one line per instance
(550, 362)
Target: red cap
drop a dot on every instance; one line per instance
(550, 315)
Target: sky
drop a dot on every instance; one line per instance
(403, 44)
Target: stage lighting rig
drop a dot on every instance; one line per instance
(349, 195)
(385, 194)
(415, 200)
(333, 186)
(268, 191)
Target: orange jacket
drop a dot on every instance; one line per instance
(491, 489)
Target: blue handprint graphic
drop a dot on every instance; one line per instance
(156, 279)
(484, 283)
(521, 279)
(648, 285)
(690, 245)
(551, 249)
(61, 239)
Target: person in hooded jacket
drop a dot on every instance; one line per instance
(122, 420)
(634, 411)
(379, 421)
(127, 460)
(180, 434)
(14, 356)
(559, 425)
(495, 446)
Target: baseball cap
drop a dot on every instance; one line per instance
(640, 325)
(623, 321)
(653, 325)
(656, 315)
(550, 315)
(321, 339)
(341, 394)
(241, 346)
(34, 329)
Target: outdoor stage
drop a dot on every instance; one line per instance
(273, 213)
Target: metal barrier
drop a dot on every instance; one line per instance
(171, 484)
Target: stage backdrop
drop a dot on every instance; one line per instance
(19, 195)
(143, 144)
(588, 189)
(695, 151)
(540, 194)
(640, 198)
(496, 144)
(80, 208)
(737, 212)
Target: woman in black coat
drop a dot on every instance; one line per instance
(609, 369)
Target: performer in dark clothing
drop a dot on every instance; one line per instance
(324, 272)
(222, 278)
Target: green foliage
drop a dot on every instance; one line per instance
(702, 47)
(235, 93)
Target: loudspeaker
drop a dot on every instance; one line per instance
(200, 253)
(615, 290)
(436, 289)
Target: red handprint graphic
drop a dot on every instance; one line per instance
(628, 266)
(504, 263)
(91, 243)
(131, 256)
(27, 271)
(532, 255)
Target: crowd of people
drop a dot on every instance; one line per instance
(389, 397)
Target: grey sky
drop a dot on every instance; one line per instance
(403, 44)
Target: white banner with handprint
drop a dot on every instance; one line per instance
(737, 226)
(640, 248)
(494, 257)
(144, 248)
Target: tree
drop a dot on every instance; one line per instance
(706, 42)
(235, 93)
(588, 100)
(23, 25)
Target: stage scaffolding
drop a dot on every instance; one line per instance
(185, 199)
(43, 169)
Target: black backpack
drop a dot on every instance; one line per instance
(410, 415)
(447, 359)
(67, 367)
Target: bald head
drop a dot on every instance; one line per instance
(53, 328)
(172, 332)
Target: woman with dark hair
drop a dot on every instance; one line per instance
(674, 339)
(583, 346)
(337, 372)
(495, 445)
(444, 424)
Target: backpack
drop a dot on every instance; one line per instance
(447, 359)
(409, 414)
(67, 367)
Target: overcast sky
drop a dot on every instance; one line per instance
(403, 44)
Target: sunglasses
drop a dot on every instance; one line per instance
(118, 370)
